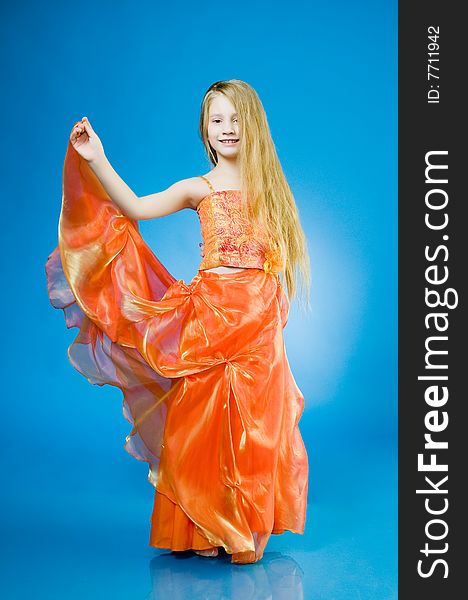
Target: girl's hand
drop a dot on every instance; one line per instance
(86, 141)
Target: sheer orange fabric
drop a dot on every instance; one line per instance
(206, 384)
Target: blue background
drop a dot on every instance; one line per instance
(75, 506)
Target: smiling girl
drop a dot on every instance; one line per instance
(202, 365)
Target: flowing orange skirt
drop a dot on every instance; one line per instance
(203, 370)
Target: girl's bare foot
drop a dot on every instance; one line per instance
(209, 552)
(245, 557)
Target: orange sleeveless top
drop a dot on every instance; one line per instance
(228, 238)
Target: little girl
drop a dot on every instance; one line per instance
(202, 366)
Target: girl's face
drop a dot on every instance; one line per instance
(223, 125)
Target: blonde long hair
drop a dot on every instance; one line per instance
(271, 201)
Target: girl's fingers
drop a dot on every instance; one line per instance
(77, 130)
(81, 127)
(87, 125)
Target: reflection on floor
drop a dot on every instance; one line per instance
(87, 544)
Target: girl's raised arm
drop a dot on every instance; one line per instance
(176, 197)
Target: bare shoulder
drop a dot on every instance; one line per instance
(196, 189)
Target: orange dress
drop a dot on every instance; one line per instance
(206, 383)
